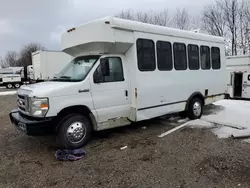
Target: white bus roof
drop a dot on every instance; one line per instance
(103, 31)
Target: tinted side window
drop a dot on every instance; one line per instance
(146, 55)
(115, 71)
(164, 55)
(180, 56)
(215, 53)
(193, 57)
(205, 57)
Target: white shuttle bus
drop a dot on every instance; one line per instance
(123, 71)
(238, 72)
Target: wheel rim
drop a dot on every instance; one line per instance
(9, 86)
(17, 85)
(76, 132)
(197, 109)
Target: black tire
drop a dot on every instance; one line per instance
(64, 129)
(17, 85)
(192, 113)
(9, 86)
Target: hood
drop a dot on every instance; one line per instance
(49, 89)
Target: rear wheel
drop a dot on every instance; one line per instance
(17, 85)
(9, 86)
(195, 109)
(74, 131)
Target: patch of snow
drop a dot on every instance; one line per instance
(246, 140)
(223, 132)
(8, 93)
(234, 112)
(198, 123)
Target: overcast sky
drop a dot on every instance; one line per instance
(43, 21)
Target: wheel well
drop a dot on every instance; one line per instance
(80, 109)
(75, 109)
(195, 95)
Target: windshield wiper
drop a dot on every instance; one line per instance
(66, 77)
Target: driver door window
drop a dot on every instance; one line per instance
(115, 71)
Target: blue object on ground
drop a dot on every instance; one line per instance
(69, 155)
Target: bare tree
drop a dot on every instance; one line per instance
(243, 27)
(128, 15)
(181, 19)
(247, 25)
(247, 9)
(11, 58)
(144, 17)
(3, 63)
(213, 19)
(26, 53)
(156, 18)
(161, 18)
(230, 10)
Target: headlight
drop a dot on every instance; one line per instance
(38, 107)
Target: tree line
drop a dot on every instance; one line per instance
(23, 58)
(227, 18)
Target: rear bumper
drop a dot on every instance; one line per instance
(32, 127)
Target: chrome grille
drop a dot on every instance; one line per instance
(22, 103)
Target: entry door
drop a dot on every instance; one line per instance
(110, 93)
(238, 77)
(246, 85)
(230, 86)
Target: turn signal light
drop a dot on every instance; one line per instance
(43, 105)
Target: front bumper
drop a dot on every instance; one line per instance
(30, 126)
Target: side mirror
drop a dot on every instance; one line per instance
(104, 67)
(98, 78)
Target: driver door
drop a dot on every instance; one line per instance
(110, 92)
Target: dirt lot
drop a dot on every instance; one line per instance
(188, 158)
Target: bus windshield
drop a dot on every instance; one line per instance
(77, 69)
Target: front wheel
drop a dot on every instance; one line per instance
(74, 131)
(195, 109)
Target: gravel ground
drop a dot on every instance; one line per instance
(187, 158)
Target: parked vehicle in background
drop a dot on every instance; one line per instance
(128, 72)
(238, 72)
(10, 77)
(48, 63)
(27, 74)
(11, 81)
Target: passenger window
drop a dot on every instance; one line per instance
(115, 71)
(215, 52)
(146, 55)
(193, 57)
(180, 56)
(164, 56)
(205, 57)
